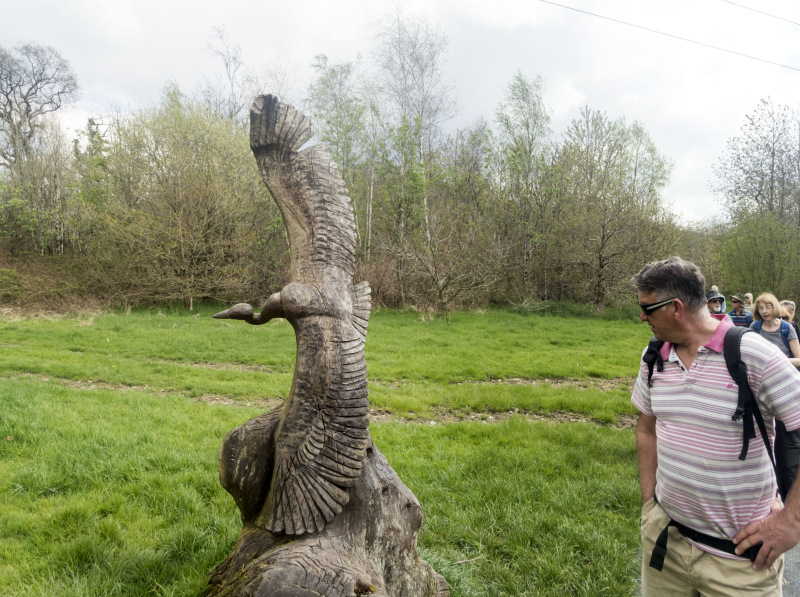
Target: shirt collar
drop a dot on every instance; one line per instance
(716, 342)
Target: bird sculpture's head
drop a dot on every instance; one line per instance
(244, 312)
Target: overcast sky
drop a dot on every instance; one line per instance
(691, 98)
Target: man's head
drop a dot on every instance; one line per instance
(737, 300)
(673, 278)
(714, 301)
(670, 290)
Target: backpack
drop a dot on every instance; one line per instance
(785, 327)
(746, 410)
(747, 407)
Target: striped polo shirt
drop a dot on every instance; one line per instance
(700, 481)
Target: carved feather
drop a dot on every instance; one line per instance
(323, 433)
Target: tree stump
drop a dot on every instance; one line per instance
(370, 548)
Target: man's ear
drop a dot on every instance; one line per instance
(680, 309)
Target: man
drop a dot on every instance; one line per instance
(715, 301)
(688, 448)
(739, 315)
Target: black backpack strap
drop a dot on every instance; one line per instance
(652, 356)
(747, 407)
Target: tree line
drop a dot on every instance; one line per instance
(165, 204)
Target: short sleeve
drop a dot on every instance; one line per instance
(641, 391)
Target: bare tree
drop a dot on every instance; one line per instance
(411, 56)
(228, 98)
(759, 169)
(619, 222)
(35, 80)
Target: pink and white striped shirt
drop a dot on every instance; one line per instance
(700, 481)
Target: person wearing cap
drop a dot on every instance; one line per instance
(739, 315)
(715, 302)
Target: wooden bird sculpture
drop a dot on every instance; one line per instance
(317, 441)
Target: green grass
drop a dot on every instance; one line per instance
(530, 508)
(414, 365)
(110, 492)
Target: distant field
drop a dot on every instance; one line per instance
(479, 362)
(108, 481)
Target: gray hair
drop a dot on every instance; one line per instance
(673, 278)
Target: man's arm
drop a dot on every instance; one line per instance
(647, 454)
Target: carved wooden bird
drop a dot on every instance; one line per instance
(322, 431)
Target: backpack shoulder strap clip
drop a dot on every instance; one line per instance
(652, 357)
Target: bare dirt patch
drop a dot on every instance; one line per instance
(442, 415)
(617, 383)
(267, 403)
(220, 366)
(438, 416)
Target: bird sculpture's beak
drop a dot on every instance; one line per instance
(238, 311)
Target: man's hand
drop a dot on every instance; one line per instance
(778, 533)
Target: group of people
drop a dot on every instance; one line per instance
(768, 316)
(715, 520)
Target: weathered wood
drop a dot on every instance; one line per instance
(368, 549)
(323, 512)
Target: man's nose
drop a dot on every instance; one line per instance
(642, 316)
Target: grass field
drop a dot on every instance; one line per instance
(108, 482)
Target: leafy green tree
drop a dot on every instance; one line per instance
(37, 201)
(338, 112)
(760, 253)
(524, 173)
(758, 177)
(457, 259)
(191, 215)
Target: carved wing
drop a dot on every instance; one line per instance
(308, 189)
(324, 431)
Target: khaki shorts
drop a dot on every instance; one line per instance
(691, 572)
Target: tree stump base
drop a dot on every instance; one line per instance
(370, 548)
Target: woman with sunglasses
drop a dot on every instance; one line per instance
(769, 324)
(788, 314)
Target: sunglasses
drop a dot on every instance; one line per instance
(785, 317)
(647, 309)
